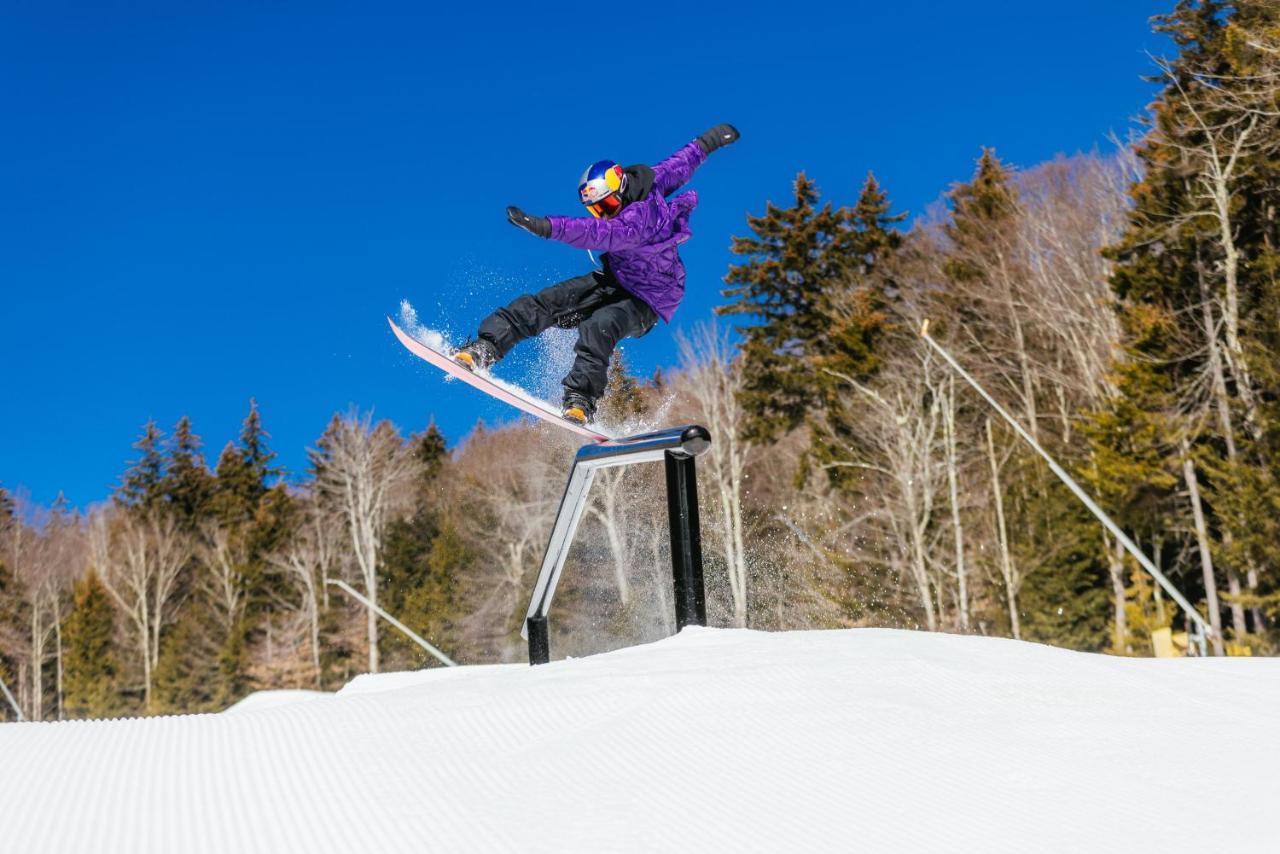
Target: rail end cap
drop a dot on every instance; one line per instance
(694, 440)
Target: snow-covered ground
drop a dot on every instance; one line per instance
(715, 740)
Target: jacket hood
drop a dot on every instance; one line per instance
(639, 183)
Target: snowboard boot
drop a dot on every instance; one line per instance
(477, 355)
(578, 408)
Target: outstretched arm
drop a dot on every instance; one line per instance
(633, 227)
(674, 172)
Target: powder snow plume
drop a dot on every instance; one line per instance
(409, 323)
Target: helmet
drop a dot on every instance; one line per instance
(600, 188)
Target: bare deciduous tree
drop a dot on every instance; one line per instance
(1008, 570)
(1202, 539)
(712, 377)
(1230, 126)
(953, 493)
(509, 486)
(308, 558)
(900, 436)
(362, 471)
(139, 558)
(608, 508)
(224, 556)
(1067, 210)
(44, 549)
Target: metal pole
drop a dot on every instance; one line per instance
(1097, 511)
(539, 643)
(12, 702)
(686, 541)
(393, 621)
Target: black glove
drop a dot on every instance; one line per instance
(538, 225)
(718, 137)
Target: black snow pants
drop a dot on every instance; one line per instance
(602, 311)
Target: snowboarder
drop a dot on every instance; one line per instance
(639, 227)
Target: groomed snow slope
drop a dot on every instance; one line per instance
(714, 740)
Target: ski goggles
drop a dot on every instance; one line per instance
(606, 207)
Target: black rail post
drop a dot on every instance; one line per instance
(539, 643)
(686, 540)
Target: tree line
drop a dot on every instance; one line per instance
(1124, 307)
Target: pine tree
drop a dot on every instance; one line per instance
(143, 486)
(855, 311)
(856, 316)
(253, 442)
(188, 677)
(234, 682)
(188, 483)
(432, 450)
(440, 600)
(979, 210)
(428, 601)
(243, 471)
(13, 611)
(1130, 469)
(623, 399)
(258, 516)
(91, 666)
(418, 592)
(793, 255)
(979, 267)
(1146, 611)
(1064, 595)
(272, 524)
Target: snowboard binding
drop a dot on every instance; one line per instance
(578, 408)
(477, 355)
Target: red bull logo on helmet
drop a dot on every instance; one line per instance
(599, 187)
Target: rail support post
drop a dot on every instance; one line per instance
(539, 643)
(686, 541)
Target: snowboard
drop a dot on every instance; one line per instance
(505, 392)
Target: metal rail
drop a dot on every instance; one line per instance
(677, 446)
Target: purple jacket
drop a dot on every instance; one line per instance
(641, 243)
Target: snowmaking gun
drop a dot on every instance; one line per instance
(1199, 630)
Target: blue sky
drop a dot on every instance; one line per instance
(200, 204)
